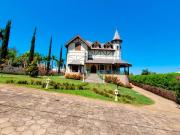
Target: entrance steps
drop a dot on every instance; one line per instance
(93, 78)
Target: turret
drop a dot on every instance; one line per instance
(117, 41)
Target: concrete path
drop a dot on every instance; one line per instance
(93, 78)
(25, 111)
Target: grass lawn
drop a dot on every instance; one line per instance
(138, 99)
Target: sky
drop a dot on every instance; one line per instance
(150, 29)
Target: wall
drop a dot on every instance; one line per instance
(74, 55)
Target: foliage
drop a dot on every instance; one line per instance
(60, 61)
(147, 72)
(76, 76)
(5, 41)
(114, 80)
(165, 81)
(165, 85)
(178, 92)
(32, 69)
(31, 54)
(159, 91)
(22, 82)
(49, 57)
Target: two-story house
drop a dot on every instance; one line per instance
(85, 56)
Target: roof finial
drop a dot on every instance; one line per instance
(116, 35)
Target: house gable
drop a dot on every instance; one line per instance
(77, 39)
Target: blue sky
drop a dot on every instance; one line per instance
(150, 29)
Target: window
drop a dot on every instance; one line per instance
(78, 46)
(101, 67)
(117, 47)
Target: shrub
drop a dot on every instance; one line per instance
(102, 92)
(32, 69)
(43, 85)
(38, 82)
(32, 82)
(115, 80)
(56, 86)
(10, 81)
(159, 91)
(178, 92)
(165, 81)
(22, 82)
(76, 76)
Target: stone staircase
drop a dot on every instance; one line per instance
(93, 78)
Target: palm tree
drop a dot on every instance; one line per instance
(38, 57)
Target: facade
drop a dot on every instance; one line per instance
(84, 56)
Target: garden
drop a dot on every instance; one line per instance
(77, 87)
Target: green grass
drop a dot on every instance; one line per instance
(138, 98)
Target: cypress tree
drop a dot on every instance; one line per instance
(60, 61)
(5, 41)
(49, 57)
(31, 53)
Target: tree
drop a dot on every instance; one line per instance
(53, 58)
(31, 55)
(12, 54)
(49, 57)
(32, 69)
(5, 41)
(60, 61)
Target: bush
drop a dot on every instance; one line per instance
(32, 82)
(43, 85)
(159, 91)
(22, 82)
(76, 76)
(178, 92)
(165, 81)
(114, 80)
(32, 69)
(38, 82)
(10, 81)
(102, 92)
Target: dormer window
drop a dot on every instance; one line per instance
(78, 46)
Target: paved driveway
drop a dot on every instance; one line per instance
(33, 112)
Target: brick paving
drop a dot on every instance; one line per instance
(25, 111)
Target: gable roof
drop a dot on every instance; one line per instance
(78, 36)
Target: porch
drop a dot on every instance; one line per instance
(107, 69)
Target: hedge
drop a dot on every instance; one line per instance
(165, 81)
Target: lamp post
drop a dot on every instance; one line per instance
(116, 92)
(103, 78)
(47, 82)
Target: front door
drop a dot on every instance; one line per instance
(93, 69)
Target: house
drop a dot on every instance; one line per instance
(84, 56)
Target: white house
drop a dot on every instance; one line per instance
(85, 56)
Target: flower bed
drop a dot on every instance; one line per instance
(76, 76)
(159, 91)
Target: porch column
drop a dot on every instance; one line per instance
(124, 70)
(79, 69)
(128, 70)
